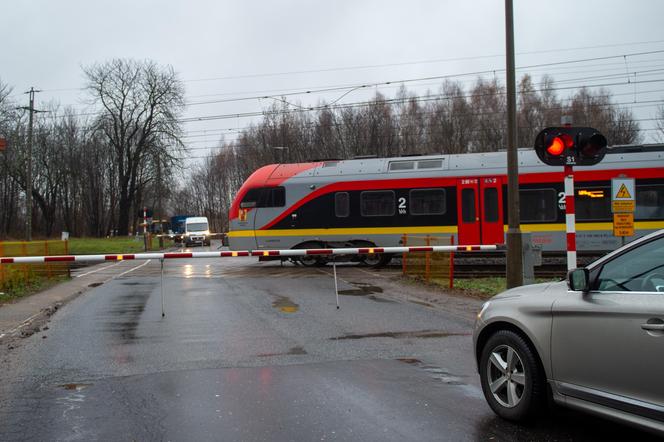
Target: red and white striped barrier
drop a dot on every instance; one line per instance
(570, 218)
(232, 254)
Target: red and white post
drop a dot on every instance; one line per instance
(145, 229)
(570, 218)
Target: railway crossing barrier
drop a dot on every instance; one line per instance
(243, 253)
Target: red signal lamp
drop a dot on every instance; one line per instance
(570, 146)
(556, 147)
(559, 143)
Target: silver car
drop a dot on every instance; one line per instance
(594, 343)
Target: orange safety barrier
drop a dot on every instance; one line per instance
(430, 265)
(13, 275)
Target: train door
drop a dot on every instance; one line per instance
(468, 211)
(480, 210)
(491, 203)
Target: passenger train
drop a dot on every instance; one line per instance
(367, 202)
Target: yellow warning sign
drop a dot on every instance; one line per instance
(622, 195)
(620, 206)
(623, 192)
(623, 224)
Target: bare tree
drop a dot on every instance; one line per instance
(596, 109)
(140, 105)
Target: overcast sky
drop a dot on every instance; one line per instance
(264, 46)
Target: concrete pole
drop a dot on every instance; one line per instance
(28, 179)
(514, 271)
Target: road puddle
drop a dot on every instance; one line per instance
(437, 373)
(75, 386)
(400, 335)
(299, 350)
(284, 304)
(363, 289)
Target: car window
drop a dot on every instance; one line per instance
(638, 270)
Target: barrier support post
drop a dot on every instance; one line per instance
(452, 263)
(404, 242)
(161, 287)
(336, 286)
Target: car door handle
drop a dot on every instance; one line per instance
(653, 327)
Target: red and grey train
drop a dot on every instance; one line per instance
(369, 202)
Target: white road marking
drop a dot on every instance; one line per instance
(98, 270)
(21, 325)
(130, 270)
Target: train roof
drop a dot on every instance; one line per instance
(485, 163)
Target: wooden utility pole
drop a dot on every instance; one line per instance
(514, 239)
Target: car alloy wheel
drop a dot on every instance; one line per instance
(506, 376)
(513, 381)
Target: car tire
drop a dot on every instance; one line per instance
(513, 381)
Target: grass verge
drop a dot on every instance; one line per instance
(21, 288)
(483, 288)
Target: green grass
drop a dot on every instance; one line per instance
(482, 287)
(19, 288)
(91, 246)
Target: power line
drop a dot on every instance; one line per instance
(428, 78)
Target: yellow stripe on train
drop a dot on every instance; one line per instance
(551, 227)
(344, 231)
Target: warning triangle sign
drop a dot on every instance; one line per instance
(623, 192)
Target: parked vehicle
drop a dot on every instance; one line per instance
(375, 201)
(595, 342)
(196, 231)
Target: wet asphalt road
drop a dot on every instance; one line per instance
(255, 352)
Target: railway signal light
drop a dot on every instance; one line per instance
(570, 146)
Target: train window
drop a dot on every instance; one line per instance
(427, 201)
(377, 203)
(538, 205)
(266, 197)
(468, 205)
(430, 164)
(341, 204)
(593, 204)
(491, 204)
(402, 165)
(649, 202)
(252, 196)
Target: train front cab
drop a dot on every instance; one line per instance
(480, 210)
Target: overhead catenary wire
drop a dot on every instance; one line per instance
(419, 79)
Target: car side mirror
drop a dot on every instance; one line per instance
(247, 204)
(578, 280)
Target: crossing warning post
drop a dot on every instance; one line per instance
(623, 203)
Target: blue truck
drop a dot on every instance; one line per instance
(178, 226)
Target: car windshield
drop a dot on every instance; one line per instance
(197, 227)
(640, 269)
